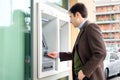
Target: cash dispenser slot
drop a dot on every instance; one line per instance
(47, 66)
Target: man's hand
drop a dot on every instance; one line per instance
(80, 75)
(53, 54)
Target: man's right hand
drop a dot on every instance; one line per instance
(53, 55)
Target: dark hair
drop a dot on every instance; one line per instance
(79, 7)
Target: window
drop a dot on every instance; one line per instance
(62, 3)
(114, 56)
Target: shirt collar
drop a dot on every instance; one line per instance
(81, 25)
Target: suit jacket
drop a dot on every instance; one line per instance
(91, 50)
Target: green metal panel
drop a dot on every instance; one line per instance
(13, 42)
(12, 53)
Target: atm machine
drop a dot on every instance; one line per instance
(53, 34)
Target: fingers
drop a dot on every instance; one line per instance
(52, 55)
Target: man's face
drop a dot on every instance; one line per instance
(74, 20)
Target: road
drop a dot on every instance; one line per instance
(114, 78)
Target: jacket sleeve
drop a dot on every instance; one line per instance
(97, 48)
(64, 56)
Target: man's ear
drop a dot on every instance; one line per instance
(77, 14)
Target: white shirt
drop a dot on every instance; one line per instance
(81, 25)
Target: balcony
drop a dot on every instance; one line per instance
(106, 3)
(107, 22)
(107, 13)
(111, 39)
(110, 31)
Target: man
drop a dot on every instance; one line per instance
(89, 49)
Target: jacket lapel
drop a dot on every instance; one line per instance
(78, 37)
(81, 31)
(80, 34)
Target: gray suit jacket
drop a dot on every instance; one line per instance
(91, 50)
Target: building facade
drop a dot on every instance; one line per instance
(108, 18)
